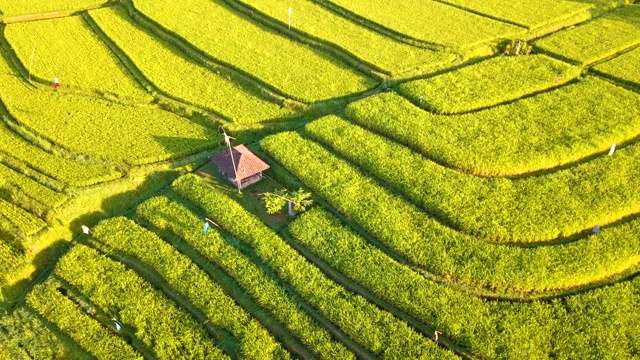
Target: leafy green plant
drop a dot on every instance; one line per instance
(275, 201)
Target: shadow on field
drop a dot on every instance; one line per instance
(116, 198)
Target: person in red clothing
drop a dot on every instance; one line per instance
(56, 83)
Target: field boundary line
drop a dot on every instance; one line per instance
(243, 79)
(350, 285)
(221, 337)
(53, 14)
(233, 289)
(321, 46)
(381, 29)
(336, 333)
(135, 72)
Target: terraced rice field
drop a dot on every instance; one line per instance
(466, 203)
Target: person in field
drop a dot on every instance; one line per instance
(56, 83)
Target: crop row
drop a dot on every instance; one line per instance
(432, 21)
(30, 332)
(66, 48)
(84, 330)
(13, 8)
(439, 249)
(488, 83)
(179, 77)
(379, 331)
(70, 172)
(9, 259)
(290, 67)
(491, 329)
(600, 191)
(623, 67)
(31, 188)
(385, 53)
(187, 279)
(523, 12)
(540, 132)
(598, 39)
(170, 332)
(107, 130)
(25, 223)
(171, 216)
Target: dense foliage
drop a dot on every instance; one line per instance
(602, 318)
(171, 216)
(369, 46)
(185, 277)
(448, 25)
(13, 7)
(441, 250)
(541, 132)
(379, 331)
(179, 77)
(291, 67)
(597, 39)
(158, 323)
(104, 129)
(601, 191)
(71, 172)
(84, 330)
(74, 55)
(523, 12)
(488, 83)
(624, 67)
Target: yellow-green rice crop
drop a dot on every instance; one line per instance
(489, 83)
(179, 77)
(419, 238)
(187, 279)
(490, 329)
(171, 216)
(24, 222)
(66, 48)
(624, 67)
(107, 130)
(87, 332)
(540, 132)
(432, 21)
(70, 172)
(22, 7)
(34, 190)
(370, 46)
(600, 191)
(597, 39)
(526, 13)
(375, 329)
(158, 322)
(294, 68)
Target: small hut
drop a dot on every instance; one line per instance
(248, 166)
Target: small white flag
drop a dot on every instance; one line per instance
(85, 229)
(613, 149)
